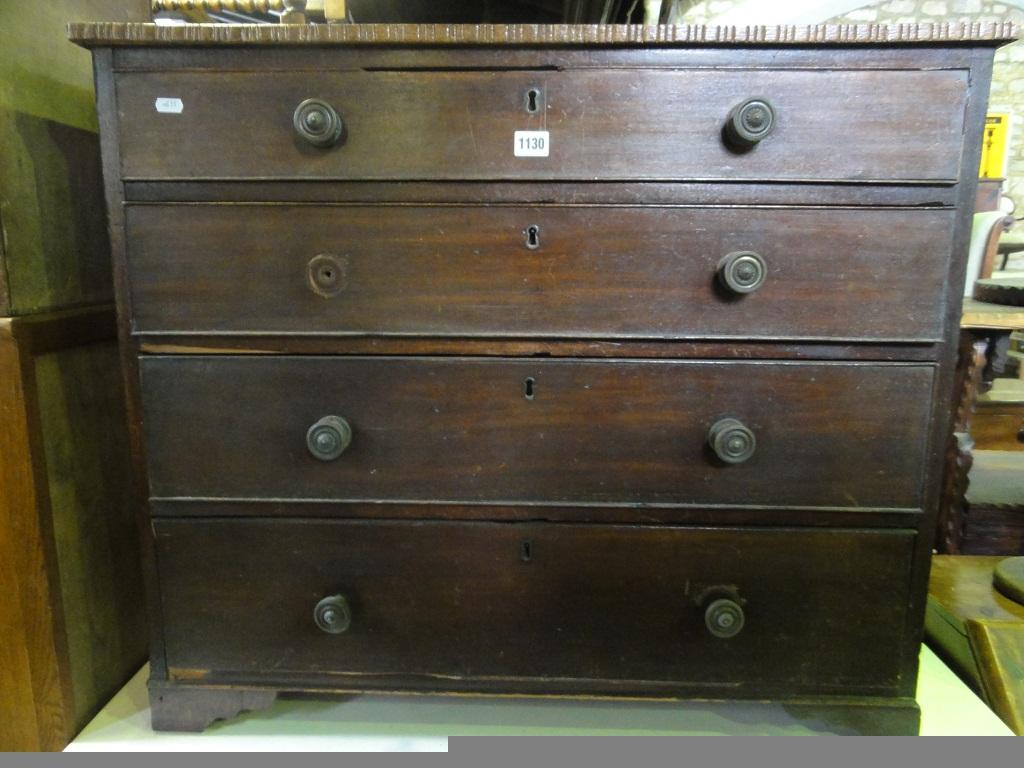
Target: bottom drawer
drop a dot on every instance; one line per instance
(534, 607)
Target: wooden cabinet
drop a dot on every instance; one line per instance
(540, 360)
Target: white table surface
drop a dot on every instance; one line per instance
(424, 723)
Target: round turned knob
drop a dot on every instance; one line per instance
(731, 441)
(749, 123)
(328, 438)
(318, 122)
(724, 617)
(333, 615)
(742, 271)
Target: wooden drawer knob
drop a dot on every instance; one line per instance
(318, 123)
(731, 441)
(742, 271)
(724, 617)
(328, 438)
(749, 123)
(333, 615)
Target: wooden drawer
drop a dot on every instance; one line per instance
(490, 430)
(582, 272)
(521, 607)
(636, 124)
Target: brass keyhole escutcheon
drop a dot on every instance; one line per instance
(327, 274)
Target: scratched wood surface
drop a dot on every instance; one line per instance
(233, 373)
(464, 606)
(606, 272)
(609, 124)
(829, 435)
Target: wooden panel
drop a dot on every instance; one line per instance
(596, 271)
(71, 616)
(84, 438)
(610, 124)
(834, 435)
(35, 692)
(999, 428)
(998, 421)
(446, 606)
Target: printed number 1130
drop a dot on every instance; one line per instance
(531, 144)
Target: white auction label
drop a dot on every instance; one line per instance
(169, 105)
(531, 144)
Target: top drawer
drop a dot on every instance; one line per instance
(636, 124)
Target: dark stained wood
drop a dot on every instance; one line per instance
(832, 435)
(270, 344)
(621, 607)
(524, 192)
(971, 357)
(944, 396)
(405, 125)
(993, 517)
(106, 101)
(208, 418)
(1007, 289)
(322, 58)
(106, 33)
(608, 272)
(183, 706)
(648, 514)
(174, 708)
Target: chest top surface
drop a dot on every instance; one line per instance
(92, 34)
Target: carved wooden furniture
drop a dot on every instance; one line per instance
(524, 359)
(979, 632)
(993, 523)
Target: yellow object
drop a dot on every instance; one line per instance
(993, 146)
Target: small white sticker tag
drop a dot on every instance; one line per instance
(531, 144)
(169, 105)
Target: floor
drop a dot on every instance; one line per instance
(424, 723)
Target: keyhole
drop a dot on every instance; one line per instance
(528, 387)
(533, 237)
(526, 551)
(532, 97)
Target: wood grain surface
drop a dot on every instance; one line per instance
(606, 271)
(460, 606)
(435, 429)
(610, 124)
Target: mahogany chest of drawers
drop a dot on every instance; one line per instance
(607, 361)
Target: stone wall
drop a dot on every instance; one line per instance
(1007, 75)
